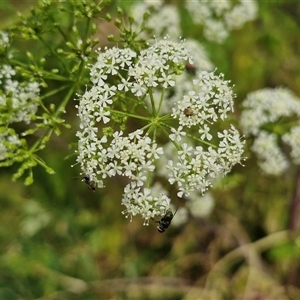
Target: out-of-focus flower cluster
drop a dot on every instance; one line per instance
(217, 18)
(197, 205)
(18, 100)
(164, 19)
(18, 103)
(4, 40)
(272, 117)
(171, 135)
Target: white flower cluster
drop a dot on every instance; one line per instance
(18, 101)
(202, 101)
(184, 81)
(209, 99)
(132, 85)
(271, 158)
(194, 168)
(144, 201)
(4, 39)
(269, 115)
(218, 18)
(292, 138)
(267, 106)
(9, 142)
(164, 19)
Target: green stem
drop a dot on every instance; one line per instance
(34, 147)
(161, 100)
(54, 53)
(193, 137)
(46, 74)
(150, 174)
(130, 115)
(201, 141)
(39, 161)
(152, 102)
(55, 91)
(178, 147)
(63, 104)
(59, 110)
(62, 33)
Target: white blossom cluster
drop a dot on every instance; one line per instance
(218, 18)
(271, 158)
(210, 98)
(124, 80)
(195, 168)
(184, 81)
(197, 105)
(4, 39)
(292, 138)
(18, 102)
(272, 117)
(164, 18)
(9, 142)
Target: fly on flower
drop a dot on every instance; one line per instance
(191, 69)
(165, 221)
(91, 184)
(188, 112)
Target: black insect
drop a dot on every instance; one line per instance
(165, 221)
(90, 183)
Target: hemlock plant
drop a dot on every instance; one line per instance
(150, 109)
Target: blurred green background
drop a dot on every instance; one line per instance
(59, 240)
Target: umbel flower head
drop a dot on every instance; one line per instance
(217, 18)
(141, 121)
(19, 101)
(271, 116)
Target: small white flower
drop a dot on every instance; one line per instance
(138, 89)
(124, 85)
(166, 80)
(177, 134)
(205, 133)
